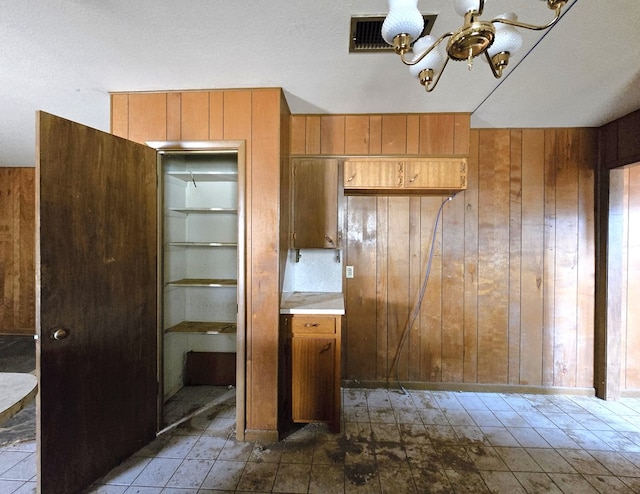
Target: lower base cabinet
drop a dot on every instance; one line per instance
(313, 368)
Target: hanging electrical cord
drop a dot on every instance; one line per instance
(407, 330)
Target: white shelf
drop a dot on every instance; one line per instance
(203, 176)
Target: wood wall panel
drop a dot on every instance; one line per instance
(194, 117)
(470, 240)
(625, 204)
(493, 257)
(532, 257)
(174, 117)
(253, 115)
(515, 255)
(510, 294)
(586, 258)
(17, 251)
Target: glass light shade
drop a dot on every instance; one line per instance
(403, 18)
(432, 61)
(508, 38)
(463, 6)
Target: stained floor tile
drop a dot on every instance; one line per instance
(391, 442)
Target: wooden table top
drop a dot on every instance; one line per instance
(16, 391)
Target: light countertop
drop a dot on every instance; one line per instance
(329, 303)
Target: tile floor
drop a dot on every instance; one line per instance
(421, 442)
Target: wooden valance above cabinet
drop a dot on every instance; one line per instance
(405, 175)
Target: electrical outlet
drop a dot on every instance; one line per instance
(349, 272)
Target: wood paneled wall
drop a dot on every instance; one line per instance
(624, 284)
(510, 297)
(619, 147)
(257, 116)
(17, 251)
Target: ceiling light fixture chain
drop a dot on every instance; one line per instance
(496, 39)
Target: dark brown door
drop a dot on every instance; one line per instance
(96, 302)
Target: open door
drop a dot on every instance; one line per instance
(96, 304)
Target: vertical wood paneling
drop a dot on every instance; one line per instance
(375, 134)
(332, 131)
(147, 117)
(298, 134)
(453, 290)
(632, 378)
(436, 133)
(195, 115)
(312, 135)
(383, 361)
(360, 291)
(394, 134)
(174, 117)
(264, 176)
(413, 134)
(416, 275)
(17, 250)
(493, 257)
(431, 309)
(500, 291)
(120, 115)
(461, 133)
(586, 257)
(566, 249)
(216, 115)
(356, 138)
(398, 282)
(532, 274)
(470, 239)
(515, 259)
(549, 274)
(254, 116)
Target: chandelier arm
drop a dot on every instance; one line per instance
(426, 52)
(496, 74)
(480, 8)
(532, 27)
(432, 85)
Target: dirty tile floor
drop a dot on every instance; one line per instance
(420, 442)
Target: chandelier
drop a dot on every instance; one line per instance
(497, 39)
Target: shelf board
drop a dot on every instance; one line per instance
(203, 282)
(204, 327)
(203, 244)
(205, 210)
(200, 176)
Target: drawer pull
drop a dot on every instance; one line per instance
(326, 348)
(311, 325)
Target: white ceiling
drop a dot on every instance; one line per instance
(66, 56)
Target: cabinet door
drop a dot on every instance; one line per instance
(436, 174)
(368, 174)
(313, 373)
(315, 203)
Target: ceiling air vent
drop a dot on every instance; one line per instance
(365, 33)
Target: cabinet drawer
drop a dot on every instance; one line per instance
(313, 324)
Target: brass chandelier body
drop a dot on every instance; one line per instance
(473, 39)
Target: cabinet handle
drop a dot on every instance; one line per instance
(326, 348)
(311, 325)
(351, 177)
(329, 239)
(414, 178)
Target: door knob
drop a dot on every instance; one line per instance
(59, 334)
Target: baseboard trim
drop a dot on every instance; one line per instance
(473, 387)
(263, 436)
(630, 393)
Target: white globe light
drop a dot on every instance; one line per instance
(403, 18)
(432, 61)
(508, 38)
(463, 6)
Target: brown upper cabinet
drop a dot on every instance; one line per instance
(409, 175)
(315, 204)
